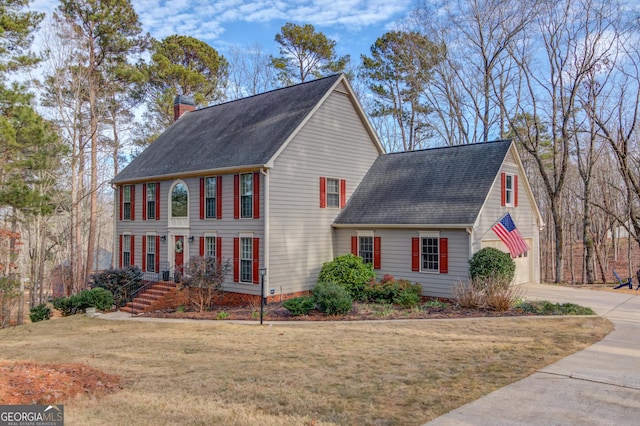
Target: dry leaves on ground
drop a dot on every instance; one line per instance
(34, 383)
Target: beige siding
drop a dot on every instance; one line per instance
(395, 256)
(333, 143)
(524, 217)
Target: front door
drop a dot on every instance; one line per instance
(179, 254)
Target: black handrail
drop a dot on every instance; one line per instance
(128, 291)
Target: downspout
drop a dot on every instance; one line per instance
(116, 217)
(470, 232)
(266, 198)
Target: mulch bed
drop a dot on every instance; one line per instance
(275, 312)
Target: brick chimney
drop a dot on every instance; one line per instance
(182, 104)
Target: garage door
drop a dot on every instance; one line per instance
(524, 263)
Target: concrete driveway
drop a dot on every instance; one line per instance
(597, 386)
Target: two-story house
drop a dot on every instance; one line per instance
(289, 179)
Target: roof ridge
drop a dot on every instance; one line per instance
(450, 146)
(267, 92)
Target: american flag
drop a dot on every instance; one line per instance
(509, 234)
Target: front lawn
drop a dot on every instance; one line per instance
(399, 372)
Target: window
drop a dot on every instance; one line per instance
(246, 260)
(429, 254)
(333, 192)
(508, 190)
(210, 247)
(151, 200)
(246, 195)
(151, 253)
(210, 190)
(126, 251)
(126, 202)
(509, 195)
(365, 248)
(179, 201)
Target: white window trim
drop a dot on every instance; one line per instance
(367, 234)
(178, 222)
(240, 196)
(509, 190)
(215, 197)
(156, 253)
(242, 235)
(326, 192)
(131, 204)
(125, 235)
(213, 235)
(429, 234)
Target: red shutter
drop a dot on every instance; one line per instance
(157, 256)
(515, 191)
(120, 263)
(201, 246)
(444, 256)
(323, 192)
(144, 250)
(503, 189)
(354, 245)
(236, 259)
(144, 203)
(256, 260)
(236, 196)
(121, 192)
(376, 252)
(415, 254)
(219, 250)
(157, 207)
(133, 206)
(256, 195)
(202, 200)
(218, 198)
(133, 249)
(343, 193)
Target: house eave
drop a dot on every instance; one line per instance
(404, 225)
(196, 173)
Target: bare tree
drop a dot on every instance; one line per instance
(552, 71)
(250, 72)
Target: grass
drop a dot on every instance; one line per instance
(383, 373)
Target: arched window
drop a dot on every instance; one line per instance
(179, 200)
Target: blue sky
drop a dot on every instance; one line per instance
(353, 24)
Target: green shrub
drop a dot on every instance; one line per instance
(40, 313)
(390, 290)
(332, 298)
(114, 280)
(407, 299)
(98, 298)
(349, 272)
(544, 307)
(66, 305)
(299, 305)
(492, 263)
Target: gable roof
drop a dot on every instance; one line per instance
(257, 126)
(439, 186)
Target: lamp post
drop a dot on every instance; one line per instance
(263, 272)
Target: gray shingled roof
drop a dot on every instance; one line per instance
(440, 186)
(244, 132)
